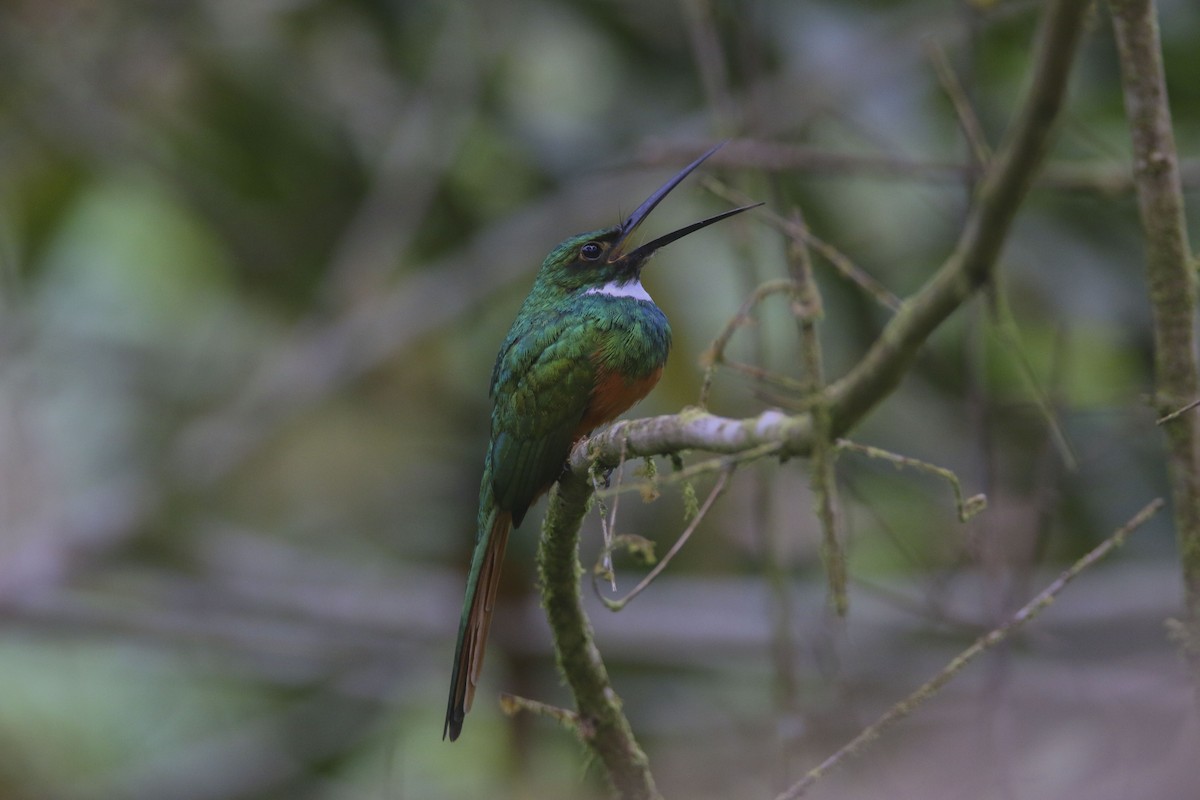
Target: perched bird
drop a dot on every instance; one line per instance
(586, 345)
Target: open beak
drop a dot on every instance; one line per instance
(630, 226)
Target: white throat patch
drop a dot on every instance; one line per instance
(632, 289)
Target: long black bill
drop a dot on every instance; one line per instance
(643, 252)
(630, 226)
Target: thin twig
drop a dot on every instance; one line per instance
(512, 705)
(1027, 613)
(715, 354)
(1176, 413)
(967, 506)
(717, 490)
(837, 259)
(765, 375)
(609, 518)
(968, 121)
(846, 266)
(1010, 337)
(700, 468)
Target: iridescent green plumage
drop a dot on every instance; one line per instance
(586, 345)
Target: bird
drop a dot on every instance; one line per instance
(587, 344)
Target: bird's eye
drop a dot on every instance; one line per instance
(591, 251)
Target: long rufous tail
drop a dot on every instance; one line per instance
(480, 602)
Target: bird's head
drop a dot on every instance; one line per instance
(606, 256)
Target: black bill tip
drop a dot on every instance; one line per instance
(630, 225)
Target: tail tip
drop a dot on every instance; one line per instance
(453, 727)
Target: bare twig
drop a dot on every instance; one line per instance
(715, 354)
(765, 376)
(837, 259)
(1010, 337)
(608, 521)
(512, 705)
(717, 490)
(967, 506)
(1171, 277)
(1165, 418)
(846, 266)
(1027, 613)
(967, 119)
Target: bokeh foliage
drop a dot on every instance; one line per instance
(255, 259)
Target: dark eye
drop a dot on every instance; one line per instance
(591, 251)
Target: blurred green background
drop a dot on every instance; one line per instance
(255, 261)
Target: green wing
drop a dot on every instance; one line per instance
(540, 389)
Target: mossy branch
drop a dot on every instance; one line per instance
(1171, 279)
(602, 723)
